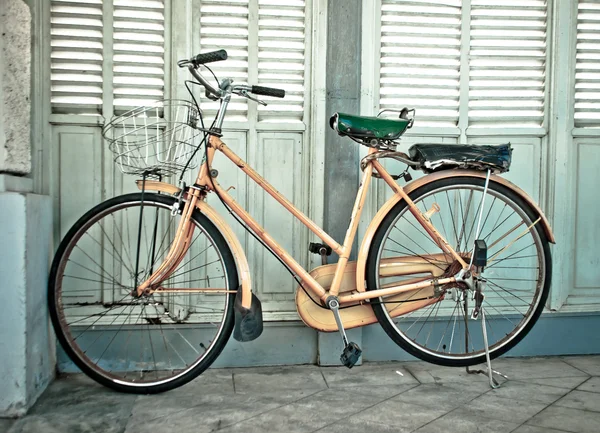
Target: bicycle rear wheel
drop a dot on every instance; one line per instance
(518, 272)
(152, 343)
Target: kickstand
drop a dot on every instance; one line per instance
(490, 372)
(479, 310)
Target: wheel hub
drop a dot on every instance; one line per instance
(452, 271)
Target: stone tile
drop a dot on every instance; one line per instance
(464, 421)
(445, 396)
(205, 413)
(370, 374)
(560, 382)
(75, 403)
(219, 381)
(405, 417)
(430, 373)
(319, 410)
(581, 400)
(591, 385)
(494, 407)
(535, 368)
(163, 408)
(77, 422)
(269, 379)
(589, 364)
(284, 420)
(532, 429)
(524, 391)
(184, 422)
(372, 398)
(352, 425)
(372, 394)
(77, 394)
(563, 418)
(5, 424)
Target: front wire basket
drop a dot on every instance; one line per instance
(156, 140)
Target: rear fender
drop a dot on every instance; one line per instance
(230, 237)
(370, 233)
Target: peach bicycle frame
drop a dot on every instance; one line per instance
(204, 182)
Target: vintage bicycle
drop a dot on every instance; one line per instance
(146, 288)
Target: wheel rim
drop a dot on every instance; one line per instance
(144, 341)
(515, 273)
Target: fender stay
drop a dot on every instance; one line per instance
(230, 237)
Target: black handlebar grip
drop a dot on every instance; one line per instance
(268, 91)
(214, 56)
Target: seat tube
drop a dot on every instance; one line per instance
(361, 195)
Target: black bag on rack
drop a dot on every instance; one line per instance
(436, 157)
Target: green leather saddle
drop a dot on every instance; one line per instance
(368, 128)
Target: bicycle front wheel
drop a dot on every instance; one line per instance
(144, 344)
(439, 328)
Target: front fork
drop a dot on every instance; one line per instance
(178, 250)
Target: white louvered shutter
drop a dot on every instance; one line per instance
(420, 58)
(76, 56)
(587, 70)
(138, 53)
(507, 63)
(224, 25)
(281, 54)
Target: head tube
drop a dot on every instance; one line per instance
(222, 110)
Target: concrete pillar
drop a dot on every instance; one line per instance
(341, 154)
(343, 94)
(26, 349)
(27, 355)
(15, 87)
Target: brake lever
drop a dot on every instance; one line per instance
(210, 96)
(246, 95)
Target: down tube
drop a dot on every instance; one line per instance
(260, 231)
(312, 226)
(272, 243)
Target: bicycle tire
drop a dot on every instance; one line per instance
(118, 380)
(402, 334)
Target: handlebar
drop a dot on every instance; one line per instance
(215, 56)
(268, 91)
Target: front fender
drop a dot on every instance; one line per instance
(230, 237)
(370, 233)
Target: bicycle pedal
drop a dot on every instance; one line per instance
(317, 248)
(350, 355)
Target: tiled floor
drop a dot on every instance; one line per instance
(542, 395)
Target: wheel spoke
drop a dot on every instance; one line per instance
(125, 246)
(465, 214)
(452, 216)
(436, 331)
(447, 326)
(174, 332)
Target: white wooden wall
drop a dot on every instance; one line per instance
(88, 52)
(542, 95)
(556, 132)
(581, 251)
(275, 140)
